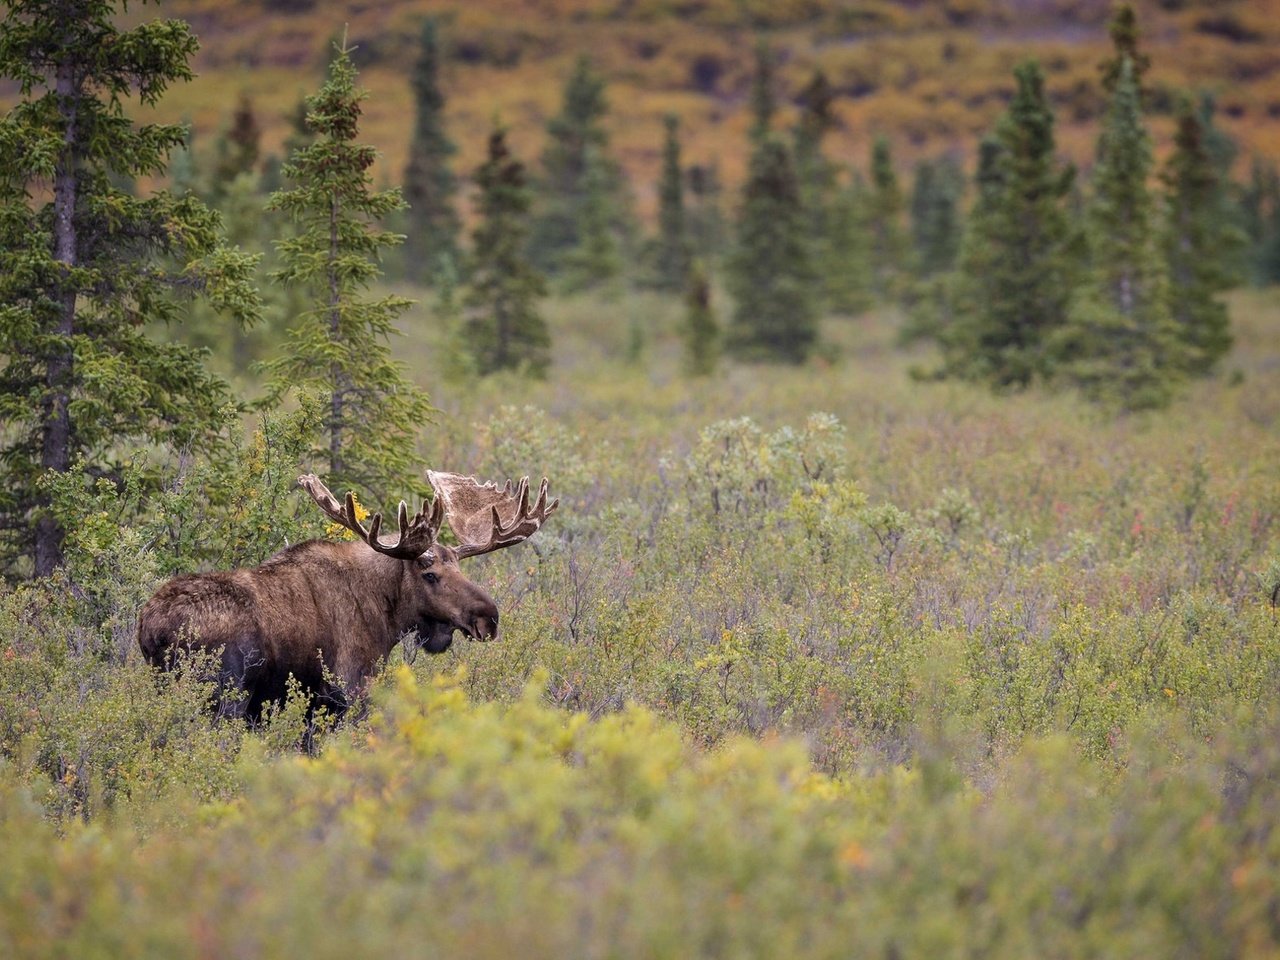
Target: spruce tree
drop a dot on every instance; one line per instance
(1259, 215)
(1016, 265)
(1198, 242)
(707, 227)
(340, 344)
(817, 178)
(884, 218)
(1125, 37)
(699, 331)
(771, 277)
(673, 253)
(582, 186)
(846, 271)
(764, 102)
(238, 149)
(935, 215)
(1120, 344)
(504, 330)
(430, 188)
(86, 269)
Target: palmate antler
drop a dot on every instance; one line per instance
(417, 534)
(486, 517)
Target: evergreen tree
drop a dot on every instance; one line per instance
(430, 187)
(935, 220)
(884, 218)
(763, 100)
(86, 269)
(673, 236)
(504, 328)
(1198, 242)
(706, 219)
(582, 188)
(340, 345)
(1259, 201)
(1123, 30)
(1016, 262)
(847, 281)
(1120, 344)
(596, 261)
(771, 278)
(943, 302)
(700, 330)
(817, 178)
(238, 148)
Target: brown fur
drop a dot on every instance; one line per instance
(315, 607)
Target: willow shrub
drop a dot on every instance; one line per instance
(449, 827)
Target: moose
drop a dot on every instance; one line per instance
(328, 613)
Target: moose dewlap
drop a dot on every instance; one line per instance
(328, 613)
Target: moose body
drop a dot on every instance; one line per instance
(329, 613)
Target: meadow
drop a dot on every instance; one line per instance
(815, 661)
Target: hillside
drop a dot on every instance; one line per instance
(932, 76)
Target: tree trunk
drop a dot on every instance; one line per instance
(55, 453)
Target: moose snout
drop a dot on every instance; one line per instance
(485, 626)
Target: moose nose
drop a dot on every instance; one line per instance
(485, 626)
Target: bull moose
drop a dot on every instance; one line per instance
(328, 613)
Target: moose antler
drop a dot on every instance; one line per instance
(486, 517)
(416, 534)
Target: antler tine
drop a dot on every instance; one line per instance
(416, 535)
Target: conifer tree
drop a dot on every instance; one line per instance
(596, 260)
(935, 221)
(847, 280)
(771, 277)
(705, 215)
(1120, 344)
(430, 188)
(582, 186)
(238, 148)
(1198, 242)
(86, 269)
(945, 307)
(1123, 30)
(817, 178)
(700, 330)
(1016, 264)
(504, 330)
(340, 345)
(764, 101)
(673, 254)
(1259, 215)
(884, 218)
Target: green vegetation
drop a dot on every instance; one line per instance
(1119, 342)
(339, 345)
(673, 253)
(579, 227)
(771, 273)
(818, 658)
(504, 330)
(432, 224)
(85, 265)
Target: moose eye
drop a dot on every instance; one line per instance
(430, 577)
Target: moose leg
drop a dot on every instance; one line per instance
(237, 680)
